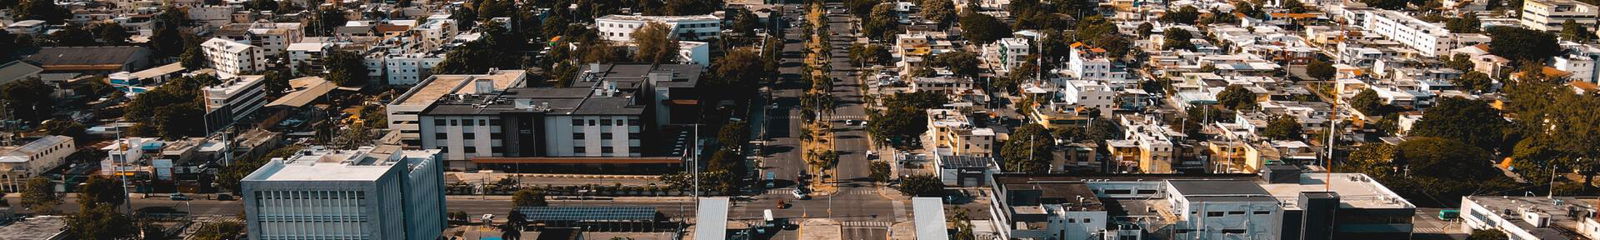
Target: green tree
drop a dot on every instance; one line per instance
(1572, 31)
(228, 177)
(733, 134)
(656, 44)
(1522, 45)
(193, 59)
(1283, 127)
(1185, 15)
(1368, 103)
(879, 171)
(1460, 61)
(982, 28)
(1236, 97)
(1475, 81)
(738, 72)
(1470, 121)
(329, 18)
(1321, 70)
(179, 120)
(941, 12)
(27, 100)
(276, 82)
(882, 22)
(1177, 38)
(101, 222)
(1387, 4)
(1486, 234)
(346, 68)
(111, 33)
(1464, 24)
(1294, 6)
(1144, 29)
(39, 196)
(100, 191)
(73, 35)
(73, 129)
(528, 197)
(962, 63)
(46, 10)
(922, 185)
(1028, 150)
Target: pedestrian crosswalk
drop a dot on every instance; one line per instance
(859, 191)
(779, 191)
(869, 224)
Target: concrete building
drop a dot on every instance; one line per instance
(953, 130)
(1077, 94)
(611, 113)
(1283, 204)
(1532, 217)
(134, 83)
(308, 54)
(18, 164)
(366, 193)
(26, 27)
(272, 38)
(1091, 63)
(404, 110)
(620, 28)
(1428, 39)
(1008, 53)
(1548, 15)
(1147, 147)
(233, 58)
(233, 100)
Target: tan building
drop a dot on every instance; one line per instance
(950, 129)
(17, 164)
(1147, 147)
(1548, 15)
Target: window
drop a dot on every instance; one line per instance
(1233, 231)
(468, 136)
(482, 122)
(579, 149)
(1214, 214)
(494, 122)
(1072, 220)
(1235, 212)
(438, 122)
(1147, 191)
(1088, 220)
(1263, 212)
(633, 122)
(471, 149)
(497, 136)
(591, 121)
(605, 122)
(441, 136)
(454, 122)
(577, 135)
(1119, 191)
(577, 122)
(606, 136)
(497, 149)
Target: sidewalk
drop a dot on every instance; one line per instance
(821, 229)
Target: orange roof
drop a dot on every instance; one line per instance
(1078, 44)
(1586, 86)
(1293, 15)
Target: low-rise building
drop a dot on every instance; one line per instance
(620, 28)
(134, 83)
(1549, 15)
(17, 164)
(953, 130)
(233, 100)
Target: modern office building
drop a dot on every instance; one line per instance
(608, 116)
(365, 193)
(1532, 217)
(233, 58)
(1548, 15)
(403, 110)
(1281, 203)
(233, 100)
(620, 28)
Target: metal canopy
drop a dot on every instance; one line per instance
(589, 214)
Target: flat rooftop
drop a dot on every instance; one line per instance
(440, 85)
(325, 165)
(34, 228)
(1220, 190)
(1562, 223)
(1355, 191)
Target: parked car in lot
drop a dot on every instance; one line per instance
(179, 197)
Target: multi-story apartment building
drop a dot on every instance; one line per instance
(20, 163)
(1579, 60)
(611, 113)
(1091, 63)
(620, 28)
(232, 59)
(233, 100)
(1548, 15)
(1428, 39)
(1008, 53)
(308, 54)
(365, 193)
(1087, 94)
(1280, 204)
(952, 129)
(1147, 147)
(273, 38)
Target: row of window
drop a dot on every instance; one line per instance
(615, 150)
(466, 122)
(1221, 214)
(603, 122)
(467, 135)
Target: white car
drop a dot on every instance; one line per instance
(799, 194)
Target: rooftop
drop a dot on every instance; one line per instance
(1220, 190)
(615, 17)
(318, 164)
(104, 55)
(430, 91)
(35, 228)
(1355, 191)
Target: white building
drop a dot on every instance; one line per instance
(694, 52)
(403, 111)
(233, 100)
(32, 159)
(1548, 15)
(26, 27)
(1008, 53)
(1580, 61)
(1531, 217)
(1428, 39)
(366, 193)
(309, 54)
(408, 69)
(1091, 63)
(620, 28)
(233, 58)
(1090, 94)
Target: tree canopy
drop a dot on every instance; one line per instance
(1521, 44)
(962, 63)
(1283, 127)
(1471, 121)
(1028, 150)
(1236, 97)
(1321, 70)
(28, 100)
(922, 185)
(656, 43)
(982, 28)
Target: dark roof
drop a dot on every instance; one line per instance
(1221, 190)
(964, 161)
(584, 213)
(118, 55)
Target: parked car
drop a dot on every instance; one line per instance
(179, 197)
(799, 194)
